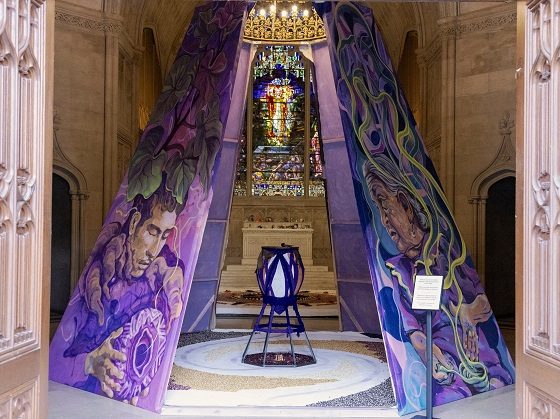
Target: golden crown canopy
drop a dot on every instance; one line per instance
(284, 21)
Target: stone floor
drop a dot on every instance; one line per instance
(68, 403)
(350, 371)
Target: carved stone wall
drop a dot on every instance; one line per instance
(21, 173)
(79, 98)
(539, 405)
(312, 211)
(21, 402)
(479, 87)
(24, 194)
(502, 166)
(538, 210)
(65, 168)
(542, 183)
(95, 99)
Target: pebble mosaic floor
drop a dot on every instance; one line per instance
(351, 371)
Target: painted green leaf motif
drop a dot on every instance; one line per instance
(176, 86)
(209, 133)
(181, 169)
(145, 170)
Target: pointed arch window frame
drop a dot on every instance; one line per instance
(308, 75)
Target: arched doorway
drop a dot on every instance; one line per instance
(61, 239)
(500, 249)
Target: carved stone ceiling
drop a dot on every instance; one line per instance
(170, 18)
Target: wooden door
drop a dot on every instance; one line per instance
(538, 210)
(26, 54)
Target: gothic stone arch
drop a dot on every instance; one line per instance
(63, 167)
(502, 166)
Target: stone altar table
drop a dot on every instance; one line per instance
(259, 234)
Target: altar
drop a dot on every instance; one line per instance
(259, 234)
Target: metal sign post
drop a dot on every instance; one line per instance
(427, 296)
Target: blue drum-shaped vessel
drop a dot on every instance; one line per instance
(280, 275)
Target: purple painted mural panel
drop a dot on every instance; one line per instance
(409, 227)
(209, 262)
(225, 175)
(342, 205)
(200, 306)
(351, 253)
(357, 306)
(119, 332)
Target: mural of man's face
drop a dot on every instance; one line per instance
(398, 218)
(147, 239)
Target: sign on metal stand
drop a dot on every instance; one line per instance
(427, 296)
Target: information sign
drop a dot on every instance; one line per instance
(427, 292)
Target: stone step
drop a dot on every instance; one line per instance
(255, 287)
(251, 274)
(316, 281)
(251, 277)
(251, 268)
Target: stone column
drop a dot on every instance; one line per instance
(111, 114)
(447, 156)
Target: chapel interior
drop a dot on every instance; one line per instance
(455, 62)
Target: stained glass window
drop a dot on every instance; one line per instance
(240, 188)
(316, 179)
(273, 161)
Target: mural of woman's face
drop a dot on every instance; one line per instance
(147, 239)
(398, 218)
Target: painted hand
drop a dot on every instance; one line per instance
(134, 400)
(101, 363)
(469, 316)
(173, 285)
(93, 293)
(172, 279)
(443, 367)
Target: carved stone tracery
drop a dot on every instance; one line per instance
(6, 45)
(88, 23)
(541, 205)
(541, 192)
(539, 404)
(488, 22)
